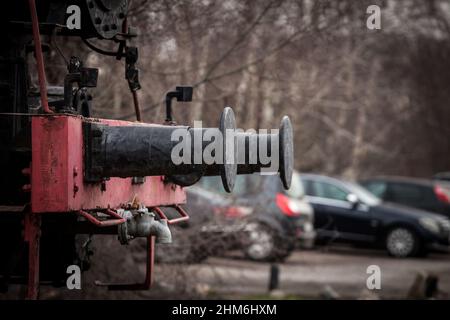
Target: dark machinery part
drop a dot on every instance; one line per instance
(147, 151)
(106, 16)
(132, 76)
(131, 72)
(228, 169)
(285, 150)
(78, 101)
(101, 19)
(181, 93)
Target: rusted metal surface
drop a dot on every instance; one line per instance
(57, 173)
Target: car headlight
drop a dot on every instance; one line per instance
(430, 224)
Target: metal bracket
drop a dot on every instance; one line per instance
(181, 93)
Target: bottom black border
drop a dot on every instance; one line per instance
(227, 309)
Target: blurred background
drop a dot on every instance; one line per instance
(363, 103)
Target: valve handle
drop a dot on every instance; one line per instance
(180, 210)
(103, 223)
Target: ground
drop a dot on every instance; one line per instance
(305, 274)
(308, 274)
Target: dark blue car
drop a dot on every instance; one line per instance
(346, 212)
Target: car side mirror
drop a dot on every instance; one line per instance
(353, 199)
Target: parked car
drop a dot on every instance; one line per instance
(260, 218)
(429, 195)
(347, 212)
(442, 176)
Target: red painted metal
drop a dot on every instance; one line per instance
(57, 172)
(32, 235)
(39, 57)
(58, 186)
(148, 274)
(180, 210)
(103, 223)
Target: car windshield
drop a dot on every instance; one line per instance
(363, 194)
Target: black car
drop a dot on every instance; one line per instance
(347, 212)
(260, 218)
(429, 195)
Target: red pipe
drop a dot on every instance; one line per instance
(39, 57)
(184, 215)
(148, 274)
(104, 223)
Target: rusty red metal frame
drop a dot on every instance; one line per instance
(39, 57)
(103, 223)
(32, 220)
(57, 182)
(180, 210)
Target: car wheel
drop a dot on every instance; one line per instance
(402, 242)
(262, 243)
